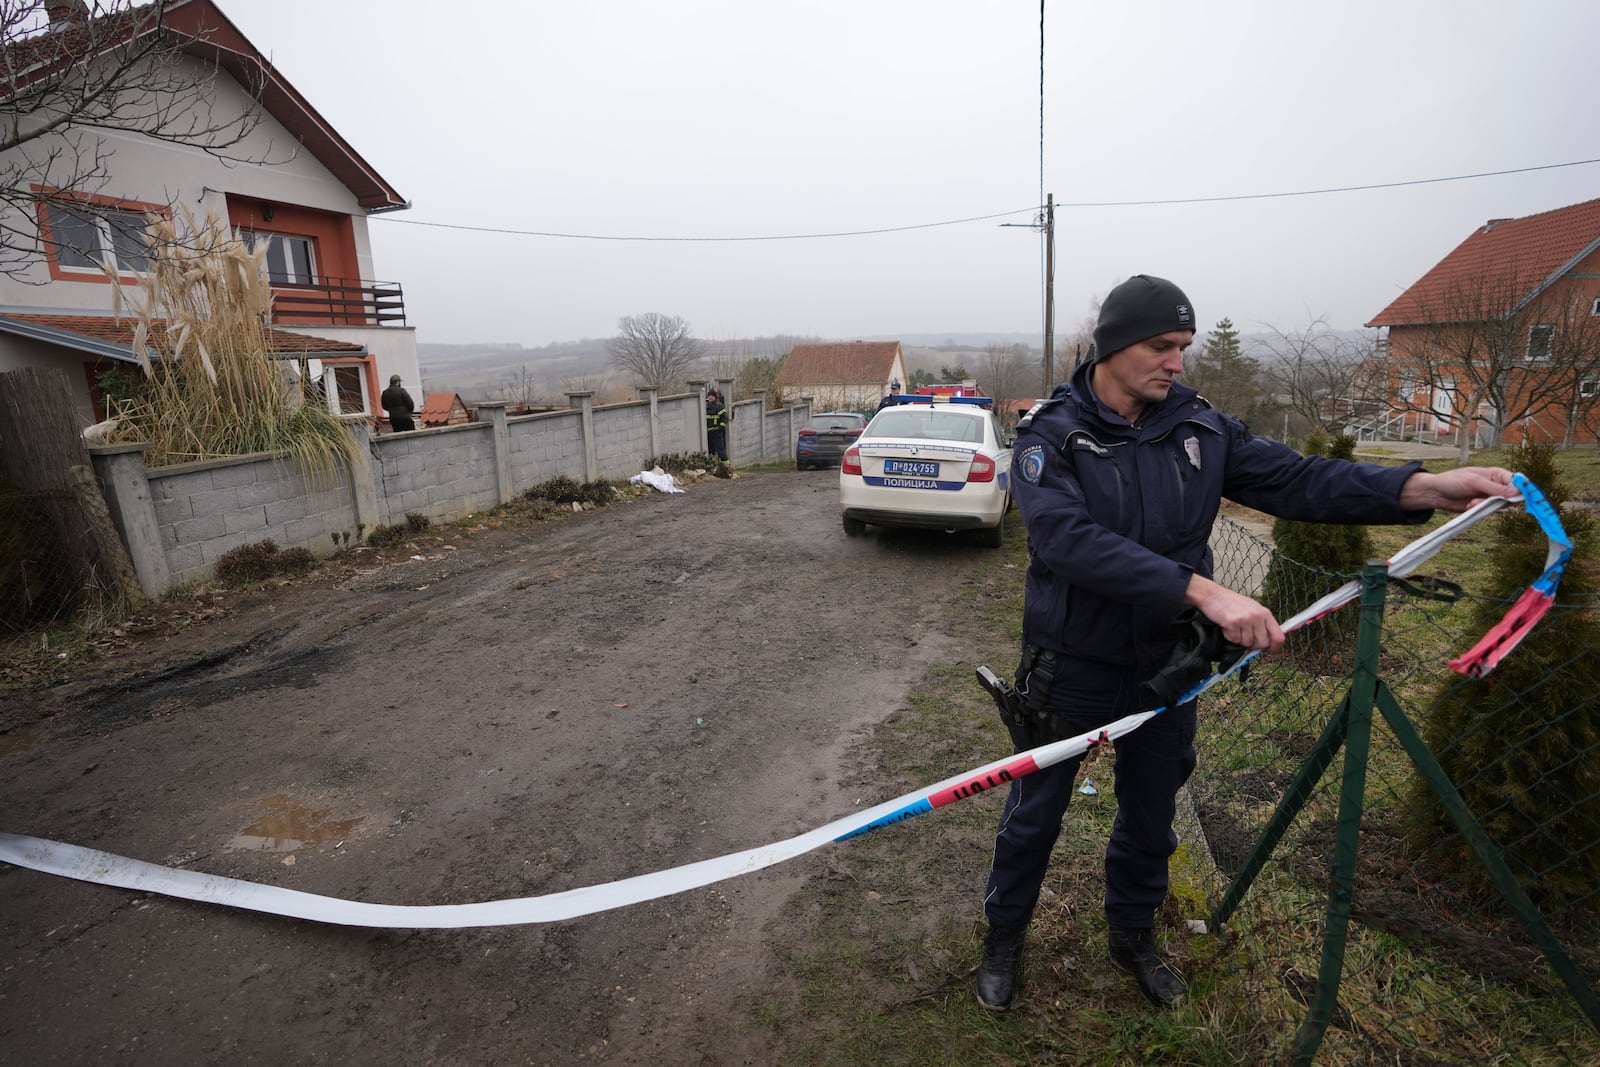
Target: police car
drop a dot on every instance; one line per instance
(935, 462)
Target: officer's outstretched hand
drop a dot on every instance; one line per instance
(1455, 490)
(1244, 621)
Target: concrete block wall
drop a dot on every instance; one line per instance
(544, 446)
(179, 520)
(622, 440)
(682, 418)
(443, 473)
(205, 509)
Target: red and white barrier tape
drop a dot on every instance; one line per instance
(104, 868)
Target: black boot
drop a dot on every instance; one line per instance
(1134, 952)
(1001, 967)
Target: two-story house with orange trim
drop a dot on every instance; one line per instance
(292, 183)
(1502, 334)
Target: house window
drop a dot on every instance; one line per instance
(1587, 388)
(1541, 341)
(1594, 309)
(85, 235)
(290, 260)
(350, 398)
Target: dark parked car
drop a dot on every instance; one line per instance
(823, 439)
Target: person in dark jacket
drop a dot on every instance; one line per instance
(716, 424)
(1119, 476)
(397, 405)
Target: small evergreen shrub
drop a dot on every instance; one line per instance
(1520, 744)
(1312, 560)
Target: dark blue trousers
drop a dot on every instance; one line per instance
(1152, 764)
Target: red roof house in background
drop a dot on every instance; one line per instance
(1503, 333)
(848, 376)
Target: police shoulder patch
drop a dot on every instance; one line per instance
(1030, 463)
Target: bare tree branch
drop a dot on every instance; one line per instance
(1316, 374)
(1007, 373)
(73, 75)
(657, 350)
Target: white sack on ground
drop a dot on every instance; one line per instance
(657, 479)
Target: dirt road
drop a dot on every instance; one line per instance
(653, 683)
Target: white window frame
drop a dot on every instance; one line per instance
(103, 221)
(1588, 388)
(1541, 353)
(278, 259)
(1594, 309)
(330, 387)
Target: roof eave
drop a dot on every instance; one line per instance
(67, 339)
(216, 39)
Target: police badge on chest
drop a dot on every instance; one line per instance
(1191, 448)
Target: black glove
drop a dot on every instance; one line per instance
(1200, 645)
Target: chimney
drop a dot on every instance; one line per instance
(67, 12)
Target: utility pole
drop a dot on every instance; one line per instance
(1049, 294)
(1046, 221)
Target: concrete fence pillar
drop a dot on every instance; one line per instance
(649, 394)
(584, 403)
(494, 413)
(120, 470)
(363, 480)
(699, 386)
(761, 419)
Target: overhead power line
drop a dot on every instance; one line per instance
(1032, 210)
(763, 237)
(1333, 189)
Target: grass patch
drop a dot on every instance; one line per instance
(886, 975)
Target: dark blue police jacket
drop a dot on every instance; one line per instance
(1119, 515)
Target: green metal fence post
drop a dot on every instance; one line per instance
(1358, 733)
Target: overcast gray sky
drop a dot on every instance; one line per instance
(753, 118)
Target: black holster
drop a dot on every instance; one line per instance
(1022, 706)
(1009, 703)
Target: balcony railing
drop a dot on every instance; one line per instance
(339, 302)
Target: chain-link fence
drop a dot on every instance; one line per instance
(1407, 860)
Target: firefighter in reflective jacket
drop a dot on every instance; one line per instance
(716, 424)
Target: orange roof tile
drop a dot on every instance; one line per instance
(107, 329)
(1518, 257)
(437, 407)
(845, 363)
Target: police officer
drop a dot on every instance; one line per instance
(1119, 476)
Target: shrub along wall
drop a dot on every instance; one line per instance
(179, 520)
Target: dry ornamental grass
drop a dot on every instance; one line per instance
(212, 386)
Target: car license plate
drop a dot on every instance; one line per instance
(921, 467)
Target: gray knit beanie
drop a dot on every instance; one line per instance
(1140, 308)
